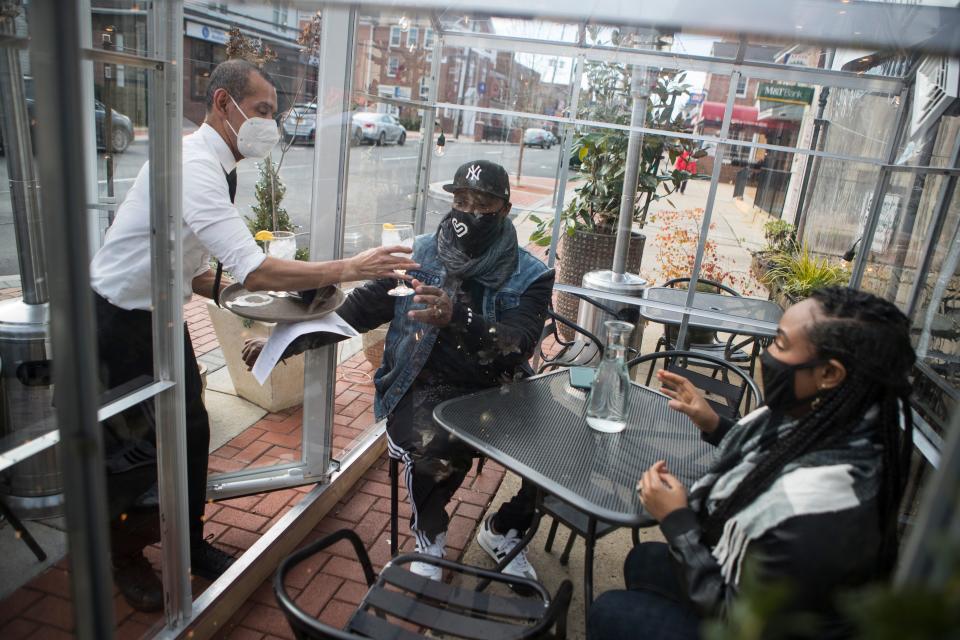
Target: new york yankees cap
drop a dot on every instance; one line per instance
(481, 175)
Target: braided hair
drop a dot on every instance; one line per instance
(870, 336)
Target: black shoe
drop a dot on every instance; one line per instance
(207, 561)
(138, 582)
(150, 499)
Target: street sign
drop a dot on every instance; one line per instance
(206, 32)
(789, 93)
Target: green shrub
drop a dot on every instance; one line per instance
(799, 273)
(781, 236)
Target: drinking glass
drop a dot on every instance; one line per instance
(398, 234)
(283, 245)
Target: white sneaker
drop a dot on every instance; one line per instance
(437, 549)
(498, 546)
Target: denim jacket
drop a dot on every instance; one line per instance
(409, 342)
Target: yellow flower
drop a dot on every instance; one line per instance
(263, 236)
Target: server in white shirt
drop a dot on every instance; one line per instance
(241, 104)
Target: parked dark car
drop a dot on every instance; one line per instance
(122, 127)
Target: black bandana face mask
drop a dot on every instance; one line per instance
(779, 378)
(475, 233)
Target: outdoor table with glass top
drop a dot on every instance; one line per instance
(761, 315)
(537, 428)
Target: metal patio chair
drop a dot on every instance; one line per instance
(734, 349)
(401, 605)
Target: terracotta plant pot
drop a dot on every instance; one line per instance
(584, 252)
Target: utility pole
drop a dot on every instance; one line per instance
(463, 86)
(109, 72)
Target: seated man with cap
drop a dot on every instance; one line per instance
(474, 323)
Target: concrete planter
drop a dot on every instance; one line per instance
(373, 343)
(759, 265)
(283, 389)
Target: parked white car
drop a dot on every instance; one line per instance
(537, 138)
(301, 123)
(378, 129)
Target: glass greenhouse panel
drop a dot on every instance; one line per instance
(886, 266)
(837, 204)
(489, 83)
(541, 30)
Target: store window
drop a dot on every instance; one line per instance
(742, 87)
(280, 18)
(737, 154)
(393, 66)
(394, 36)
(204, 56)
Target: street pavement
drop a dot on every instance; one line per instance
(381, 186)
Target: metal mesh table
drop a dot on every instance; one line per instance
(754, 309)
(537, 428)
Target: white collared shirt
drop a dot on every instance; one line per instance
(120, 271)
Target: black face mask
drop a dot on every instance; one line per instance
(475, 233)
(779, 382)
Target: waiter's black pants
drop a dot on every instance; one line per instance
(125, 347)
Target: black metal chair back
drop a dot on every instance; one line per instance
(720, 287)
(585, 350)
(740, 350)
(735, 395)
(398, 597)
(698, 337)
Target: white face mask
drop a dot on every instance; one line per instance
(257, 136)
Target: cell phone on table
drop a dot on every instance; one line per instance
(581, 377)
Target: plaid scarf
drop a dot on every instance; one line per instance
(842, 475)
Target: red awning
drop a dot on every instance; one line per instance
(742, 114)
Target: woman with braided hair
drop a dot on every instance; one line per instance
(806, 489)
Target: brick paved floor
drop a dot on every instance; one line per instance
(331, 585)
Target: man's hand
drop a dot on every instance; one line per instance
(251, 351)
(660, 492)
(378, 263)
(685, 398)
(439, 309)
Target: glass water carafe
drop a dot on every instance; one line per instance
(607, 405)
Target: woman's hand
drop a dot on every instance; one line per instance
(439, 309)
(378, 263)
(686, 398)
(660, 492)
(251, 351)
